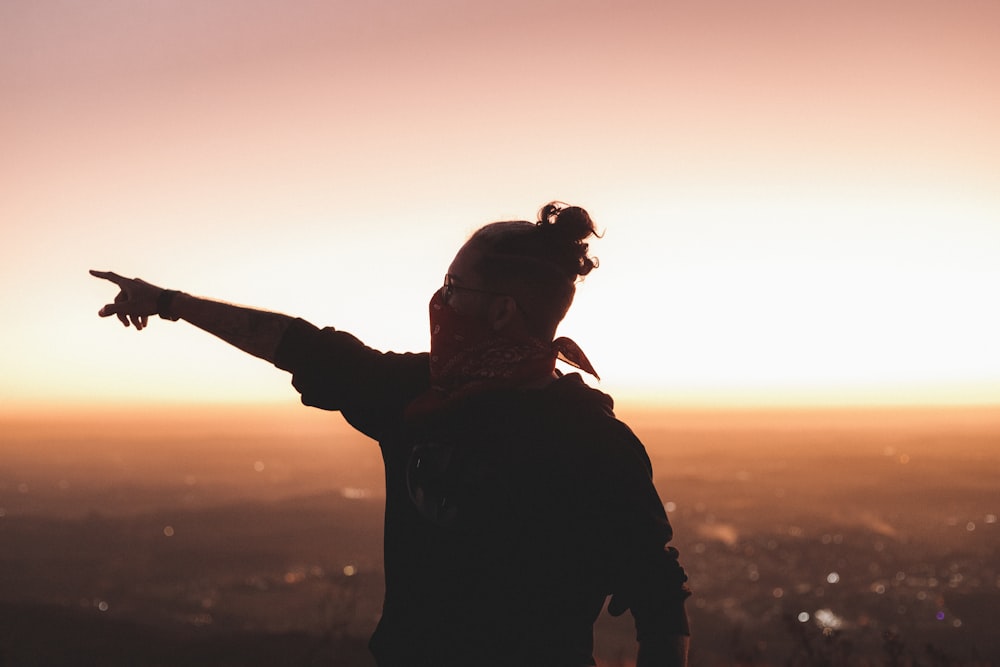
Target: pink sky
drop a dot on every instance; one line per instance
(801, 200)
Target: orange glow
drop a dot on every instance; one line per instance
(801, 200)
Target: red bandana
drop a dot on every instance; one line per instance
(467, 354)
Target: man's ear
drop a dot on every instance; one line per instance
(502, 312)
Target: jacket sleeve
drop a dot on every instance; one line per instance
(645, 573)
(333, 370)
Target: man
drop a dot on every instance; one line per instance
(515, 501)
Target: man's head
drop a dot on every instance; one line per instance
(522, 275)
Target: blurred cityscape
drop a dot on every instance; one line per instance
(850, 545)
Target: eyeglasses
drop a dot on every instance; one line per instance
(449, 288)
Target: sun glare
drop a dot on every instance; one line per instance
(786, 218)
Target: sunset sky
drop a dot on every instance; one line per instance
(800, 200)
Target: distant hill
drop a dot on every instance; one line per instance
(809, 539)
(48, 636)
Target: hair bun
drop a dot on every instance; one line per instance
(569, 226)
(571, 223)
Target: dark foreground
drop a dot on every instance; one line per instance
(842, 541)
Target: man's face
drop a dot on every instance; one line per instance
(463, 289)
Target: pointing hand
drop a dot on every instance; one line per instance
(135, 301)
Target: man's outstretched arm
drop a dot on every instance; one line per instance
(256, 332)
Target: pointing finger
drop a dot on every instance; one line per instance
(108, 275)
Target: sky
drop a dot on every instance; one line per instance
(800, 201)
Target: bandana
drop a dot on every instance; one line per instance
(466, 353)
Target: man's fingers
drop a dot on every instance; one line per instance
(109, 310)
(121, 300)
(127, 319)
(109, 275)
(130, 309)
(113, 309)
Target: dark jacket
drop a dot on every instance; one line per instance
(510, 516)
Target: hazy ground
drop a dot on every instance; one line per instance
(254, 538)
